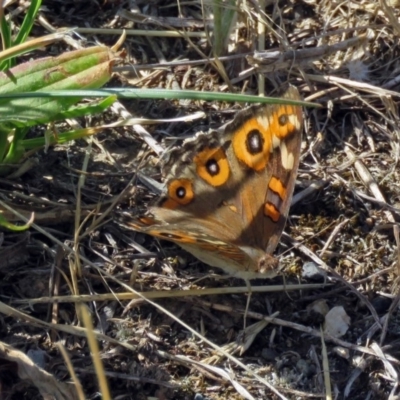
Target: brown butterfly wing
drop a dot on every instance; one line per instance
(228, 195)
(208, 249)
(264, 157)
(245, 179)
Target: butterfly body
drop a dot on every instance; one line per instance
(228, 194)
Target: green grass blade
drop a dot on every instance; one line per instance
(62, 138)
(16, 228)
(224, 18)
(3, 143)
(87, 109)
(6, 41)
(152, 94)
(16, 150)
(22, 35)
(28, 22)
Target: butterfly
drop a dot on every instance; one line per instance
(228, 194)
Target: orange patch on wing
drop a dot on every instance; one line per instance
(254, 161)
(169, 204)
(140, 224)
(180, 192)
(213, 166)
(180, 238)
(188, 239)
(271, 211)
(277, 186)
(282, 126)
(147, 221)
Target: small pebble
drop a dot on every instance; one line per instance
(311, 271)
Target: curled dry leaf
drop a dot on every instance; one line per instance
(27, 370)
